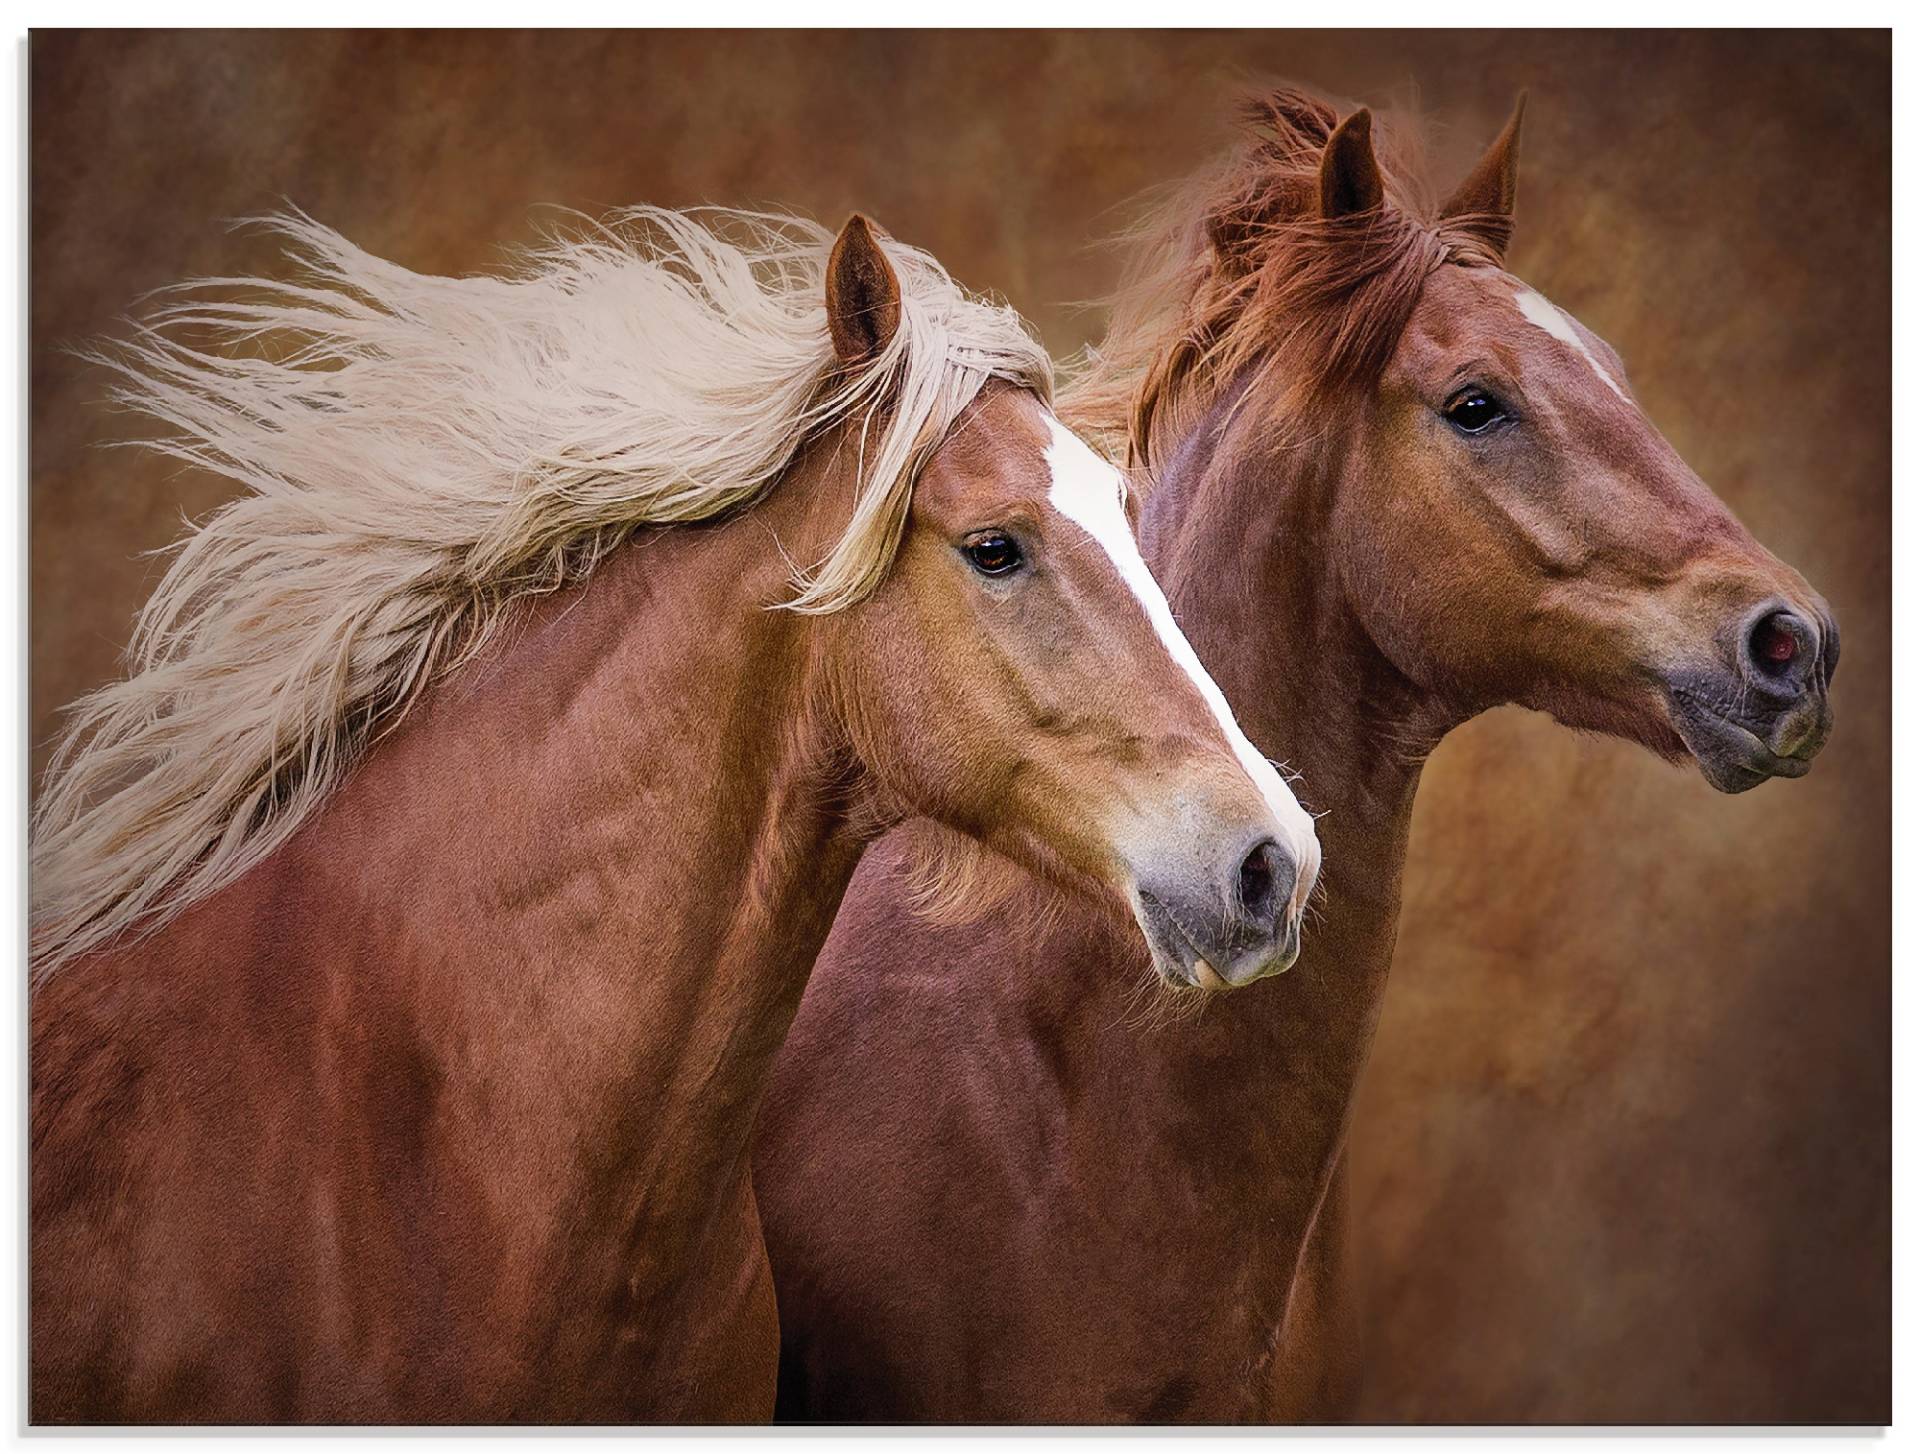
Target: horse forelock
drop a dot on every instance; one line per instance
(1237, 276)
(418, 455)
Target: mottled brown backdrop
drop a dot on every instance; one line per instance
(1623, 1151)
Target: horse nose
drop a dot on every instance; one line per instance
(1223, 912)
(1246, 926)
(1259, 918)
(1759, 708)
(1786, 652)
(1786, 659)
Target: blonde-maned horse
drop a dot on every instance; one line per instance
(416, 924)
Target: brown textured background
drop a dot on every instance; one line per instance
(1623, 1150)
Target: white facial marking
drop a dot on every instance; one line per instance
(1089, 492)
(1542, 314)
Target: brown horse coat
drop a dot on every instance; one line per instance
(440, 1112)
(1391, 488)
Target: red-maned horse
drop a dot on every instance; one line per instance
(1391, 487)
(412, 1079)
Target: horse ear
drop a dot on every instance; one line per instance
(1483, 204)
(1349, 174)
(863, 293)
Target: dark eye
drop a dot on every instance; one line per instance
(992, 553)
(1474, 411)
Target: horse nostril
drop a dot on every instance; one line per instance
(1260, 880)
(1778, 646)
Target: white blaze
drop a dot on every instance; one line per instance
(1542, 314)
(1089, 492)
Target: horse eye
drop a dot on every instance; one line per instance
(1474, 411)
(993, 554)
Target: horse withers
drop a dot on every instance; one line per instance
(416, 924)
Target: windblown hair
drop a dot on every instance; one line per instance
(1235, 278)
(418, 455)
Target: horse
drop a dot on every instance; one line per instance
(416, 924)
(1389, 486)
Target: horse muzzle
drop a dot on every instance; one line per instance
(1225, 929)
(1764, 713)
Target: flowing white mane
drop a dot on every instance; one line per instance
(416, 455)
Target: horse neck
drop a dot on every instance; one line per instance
(1238, 530)
(605, 855)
